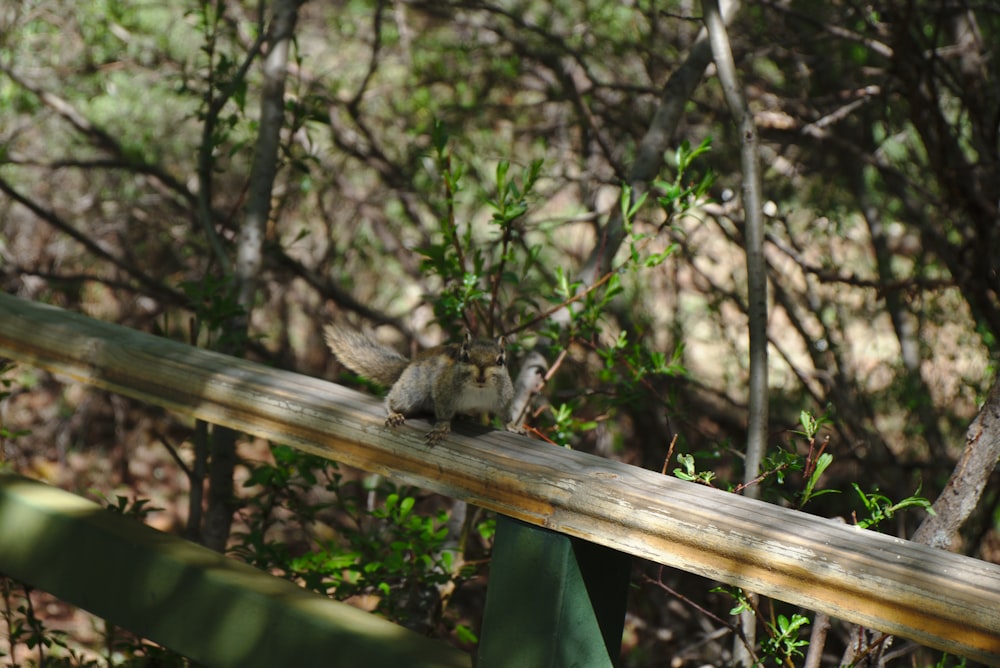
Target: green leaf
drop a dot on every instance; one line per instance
(822, 463)
(464, 634)
(502, 168)
(406, 506)
(439, 137)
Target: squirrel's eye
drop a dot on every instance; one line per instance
(501, 360)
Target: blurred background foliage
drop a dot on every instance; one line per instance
(454, 163)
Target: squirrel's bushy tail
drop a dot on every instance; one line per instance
(365, 357)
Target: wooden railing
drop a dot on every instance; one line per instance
(936, 598)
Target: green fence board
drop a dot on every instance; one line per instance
(217, 611)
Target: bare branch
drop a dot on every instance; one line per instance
(965, 487)
(649, 157)
(56, 221)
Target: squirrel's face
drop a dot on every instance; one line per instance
(483, 360)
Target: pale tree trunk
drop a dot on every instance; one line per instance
(249, 255)
(753, 238)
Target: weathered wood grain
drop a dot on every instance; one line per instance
(934, 597)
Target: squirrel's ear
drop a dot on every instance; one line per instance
(463, 352)
(502, 355)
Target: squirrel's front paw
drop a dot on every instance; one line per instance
(395, 419)
(516, 428)
(439, 431)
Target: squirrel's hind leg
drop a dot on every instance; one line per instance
(400, 403)
(394, 412)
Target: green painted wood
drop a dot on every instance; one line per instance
(217, 611)
(552, 601)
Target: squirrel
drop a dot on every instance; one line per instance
(469, 377)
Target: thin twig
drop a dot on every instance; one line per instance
(670, 453)
(172, 451)
(575, 298)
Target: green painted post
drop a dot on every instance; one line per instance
(552, 601)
